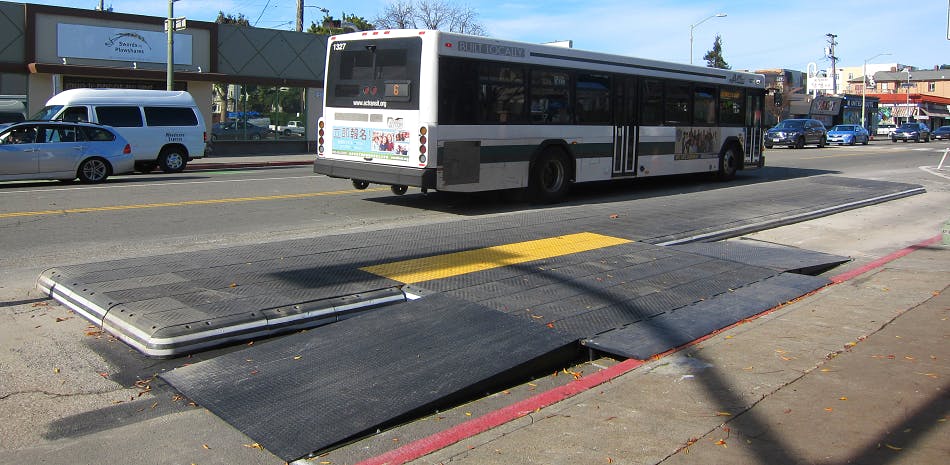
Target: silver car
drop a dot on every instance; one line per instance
(64, 151)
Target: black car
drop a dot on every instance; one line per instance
(914, 131)
(797, 133)
(943, 132)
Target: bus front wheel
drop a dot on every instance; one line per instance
(360, 184)
(728, 163)
(550, 177)
(399, 189)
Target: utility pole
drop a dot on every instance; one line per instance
(834, 63)
(299, 15)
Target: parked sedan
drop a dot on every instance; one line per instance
(237, 130)
(943, 132)
(848, 134)
(64, 151)
(914, 131)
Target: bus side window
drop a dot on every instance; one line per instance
(551, 97)
(651, 102)
(593, 98)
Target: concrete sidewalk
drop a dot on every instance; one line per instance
(856, 373)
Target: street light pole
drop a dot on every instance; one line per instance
(693, 26)
(864, 87)
(907, 88)
(170, 29)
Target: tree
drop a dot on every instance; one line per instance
(714, 57)
(239, 20)
(429, 14)
(331, 26)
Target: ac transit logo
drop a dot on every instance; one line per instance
(394, 123)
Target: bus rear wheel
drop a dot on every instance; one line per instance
(398, 189)
(550, 177)
(360, 184)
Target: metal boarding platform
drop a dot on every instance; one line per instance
(473, 333)
(460, 308)
(180, 303)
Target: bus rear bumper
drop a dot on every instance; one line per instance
(377, 174)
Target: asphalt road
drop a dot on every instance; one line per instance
(49, 224)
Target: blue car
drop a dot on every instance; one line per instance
(848, 134)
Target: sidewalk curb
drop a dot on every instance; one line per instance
(249, 164)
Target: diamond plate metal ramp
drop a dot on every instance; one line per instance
(309, 391)
(669, 330)
(773, 256)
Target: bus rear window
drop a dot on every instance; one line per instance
(374, 73)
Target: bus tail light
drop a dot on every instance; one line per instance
(320, 133)
(423, 140)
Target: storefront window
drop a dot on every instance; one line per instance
(256, 112)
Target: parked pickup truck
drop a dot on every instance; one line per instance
(293, 128)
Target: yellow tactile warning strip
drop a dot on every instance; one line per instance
(459, 263)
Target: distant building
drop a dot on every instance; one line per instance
(908, 94)
(786, 94)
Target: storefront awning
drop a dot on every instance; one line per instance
(935, 113)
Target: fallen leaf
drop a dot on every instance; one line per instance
(254, 446)
(56, 370)
(206, 446)
(828, 409)
(893, 447)
(614, 216)
(468, 414)
(232, 285)
(842, 398)
(298, 357)
(721, 443)
(723, 414)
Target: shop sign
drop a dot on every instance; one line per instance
(107, 43)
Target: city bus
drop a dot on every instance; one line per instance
(461, 113)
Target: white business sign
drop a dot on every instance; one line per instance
(819, 83)
(107, 43)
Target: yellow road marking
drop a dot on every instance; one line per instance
(458, 263)
(184, 203)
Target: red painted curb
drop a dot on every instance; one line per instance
(501, 416)
(884, 260)
(504, 415)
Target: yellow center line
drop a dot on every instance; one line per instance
(459, 263)
(184, 203)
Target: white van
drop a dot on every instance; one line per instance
(165, 128)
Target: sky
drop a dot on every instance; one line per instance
(755, 34)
